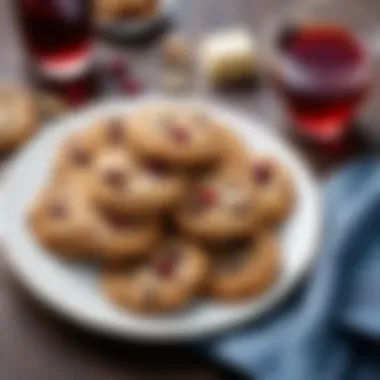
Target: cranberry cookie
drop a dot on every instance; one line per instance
(244, 268)
(167, 281)
(63, 221)
(220, 207)
(123, 182)
(175, 135)
(78, 153)
(18, 117)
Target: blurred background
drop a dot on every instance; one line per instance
(70, 53)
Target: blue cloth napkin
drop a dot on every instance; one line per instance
(330, 329)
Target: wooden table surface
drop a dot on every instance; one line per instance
(37, 345)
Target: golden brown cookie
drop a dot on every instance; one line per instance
(78, 153)
(108, 10)
(243, 268)
(175, 135)
(123, 182)
(18, 117)
(167, 281)
(63, 222)
(220, 207)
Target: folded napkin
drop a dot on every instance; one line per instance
(330, 329)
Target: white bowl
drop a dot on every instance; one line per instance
(134, 28)
(72, 289)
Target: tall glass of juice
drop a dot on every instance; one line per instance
(58, 38)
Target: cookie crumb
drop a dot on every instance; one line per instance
(176, 51)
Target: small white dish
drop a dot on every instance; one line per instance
(135, 28)
(73, 290)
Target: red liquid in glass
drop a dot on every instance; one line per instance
(56, 32)
(323, 78)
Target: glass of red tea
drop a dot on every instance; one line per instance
(323, 75)
(58, 35)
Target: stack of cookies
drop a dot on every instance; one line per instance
(170, 203)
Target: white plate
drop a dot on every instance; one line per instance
(73, 290)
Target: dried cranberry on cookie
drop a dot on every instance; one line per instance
(181, 136)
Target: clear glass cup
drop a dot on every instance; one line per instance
(322, 75)
(58, 35)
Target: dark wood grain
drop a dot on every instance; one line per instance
(34, 343)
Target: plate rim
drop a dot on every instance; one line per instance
(152, 335)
